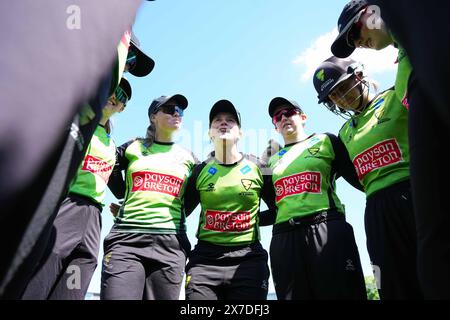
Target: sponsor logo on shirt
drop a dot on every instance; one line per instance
(212, 171)
(380, 155)
(210, 187)
(227, 221)
(304, 182)
(157, 182)
(405, 102)
(245, 170)
(246, 183)
(97, 166)
(126, 38)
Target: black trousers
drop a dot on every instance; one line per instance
(391, 242)
(430, 178)
(70, 262)
(316, 259)
(143, 266)
(217, 272)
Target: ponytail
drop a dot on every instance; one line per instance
(150, 135)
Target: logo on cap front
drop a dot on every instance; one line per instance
(321, 75)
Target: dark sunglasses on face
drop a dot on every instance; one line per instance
(172, 109)
(131, 60)
(284, 112)
(121, 96)
(354, 34)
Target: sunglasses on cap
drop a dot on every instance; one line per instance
(288, 112)
(171, 110)
(121, 96)
(131, 60)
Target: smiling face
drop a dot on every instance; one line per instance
(224, 126)
(348, 94)
(288, 121)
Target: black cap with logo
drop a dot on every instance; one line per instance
(351, 13)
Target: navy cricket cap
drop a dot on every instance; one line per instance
(159, 102)
(279, 101)
(330, 73)
(144, 64)
(224, 106)
(351, 13)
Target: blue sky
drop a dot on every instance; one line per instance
(246, 51)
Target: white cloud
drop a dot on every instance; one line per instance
(375, 62)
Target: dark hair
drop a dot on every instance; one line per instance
(108, 126)
(149, 135)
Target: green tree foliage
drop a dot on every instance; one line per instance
(371, 288)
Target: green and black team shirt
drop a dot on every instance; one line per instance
(230, 197)
(155, 180)
(404, 71)
(93, 174)
(305, 173)
(377, 142)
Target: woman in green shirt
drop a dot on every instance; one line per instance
(313, 251)
(66, 271)
(147, 247)
(228, 262)
(376, 138)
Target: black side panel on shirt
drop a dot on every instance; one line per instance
(342, 163)
(116, 183)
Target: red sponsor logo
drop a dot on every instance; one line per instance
(158, 182)
(380, 155)
(405, 103)
(309, 182)
(126, 38)
(97, 166)
(227, 221)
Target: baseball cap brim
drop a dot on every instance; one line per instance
(125, 85)
(180, 100)
(280, 101)
(340, 47)
(226, 107)
(144, 64)
(156, 104)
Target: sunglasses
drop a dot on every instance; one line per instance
(131, 60)
(121, 96)
(354, 34)
(284, 112)
(171, 110)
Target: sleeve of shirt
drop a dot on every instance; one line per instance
(342, 163)
(116, 183)
(191, 194)
(266, 217)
